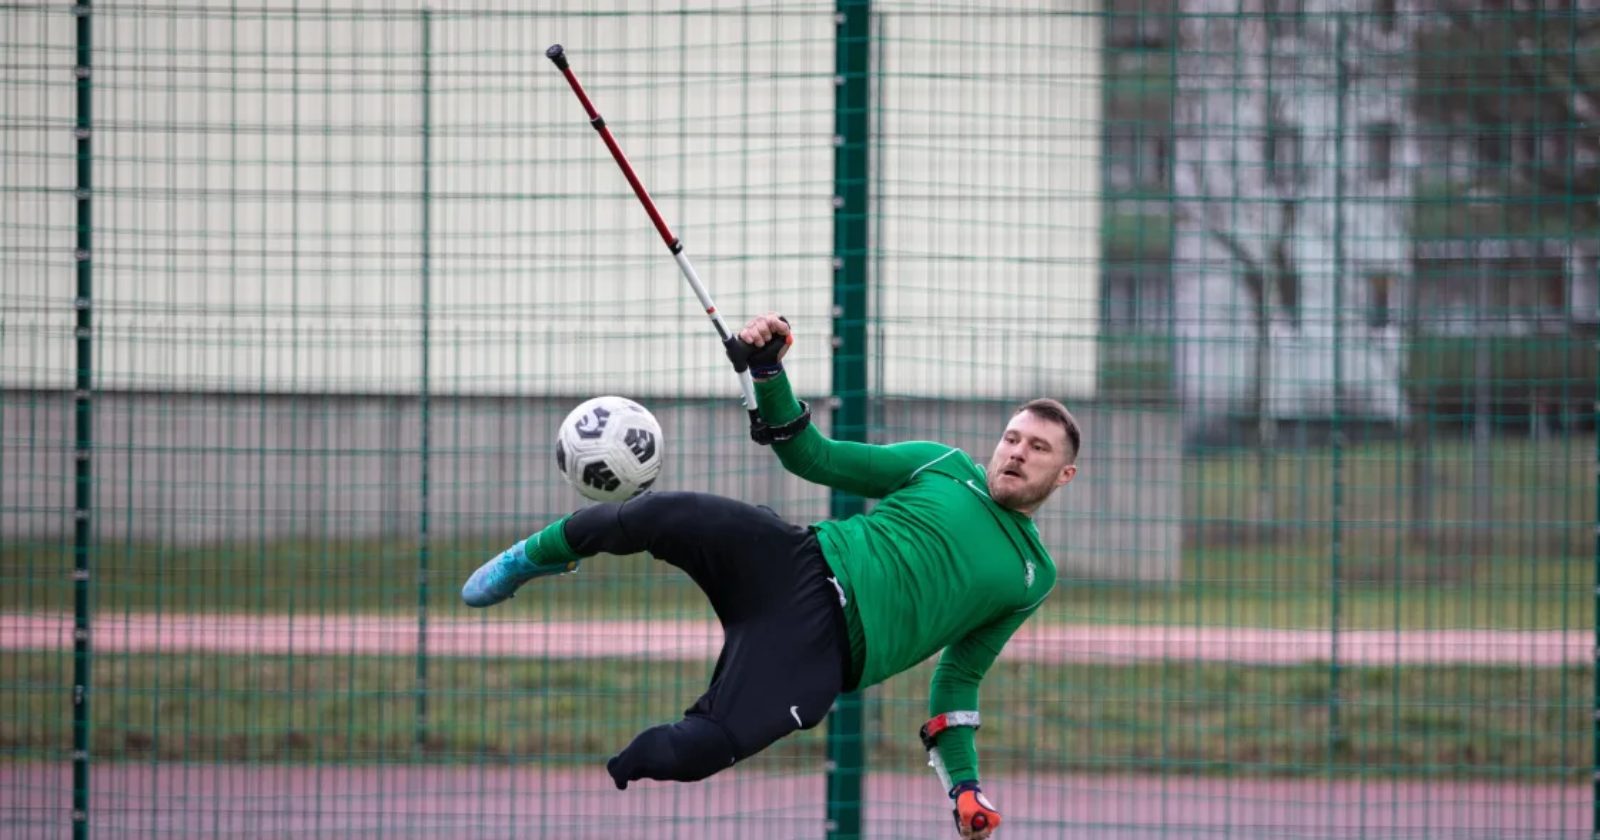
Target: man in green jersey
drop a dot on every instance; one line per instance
(949, 560)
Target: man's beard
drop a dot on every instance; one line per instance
(1017, 497)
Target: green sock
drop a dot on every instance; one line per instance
(549, 547)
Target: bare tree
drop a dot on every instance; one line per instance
(1271, 170)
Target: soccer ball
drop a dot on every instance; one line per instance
(609, 448)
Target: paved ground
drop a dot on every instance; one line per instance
(489, 636)
(163, 800)
(469, 802)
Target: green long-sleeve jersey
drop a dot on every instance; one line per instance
(936, 565)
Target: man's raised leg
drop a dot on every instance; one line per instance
(544, 553)
(713, 538)
(734, 551)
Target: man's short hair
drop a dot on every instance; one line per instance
(1052, 410)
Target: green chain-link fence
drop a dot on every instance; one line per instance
(292, 298)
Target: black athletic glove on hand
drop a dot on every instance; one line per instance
(763, 361)
(975, 816)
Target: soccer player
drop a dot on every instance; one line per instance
(949, 560)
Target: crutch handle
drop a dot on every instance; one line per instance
(745, 356)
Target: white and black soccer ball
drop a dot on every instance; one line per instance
(609, 448)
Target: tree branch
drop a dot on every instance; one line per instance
(1285, 273)
(1254, 276)
(1584, 104)
(1282, 269)
(1234, 249)
(1580, 106)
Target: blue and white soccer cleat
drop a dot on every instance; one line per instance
(498, 579)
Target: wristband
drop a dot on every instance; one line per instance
(939, 723)
(930, 738)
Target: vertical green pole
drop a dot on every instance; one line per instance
(1594, 793)
(424, 387)
(852, 123)
(82, 484)
(1336, 537)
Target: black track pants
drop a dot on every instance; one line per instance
(785, 653)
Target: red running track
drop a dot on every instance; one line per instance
(695, 640)
(464, 802)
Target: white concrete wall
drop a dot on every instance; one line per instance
(258, 211)
(988, 190)
(37, 222)
(194, 469)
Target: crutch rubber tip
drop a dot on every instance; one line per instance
(558, 55)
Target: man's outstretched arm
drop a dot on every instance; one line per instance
(954, 688)
(864, 469)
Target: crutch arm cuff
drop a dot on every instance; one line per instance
(767, 434)
(939, 723)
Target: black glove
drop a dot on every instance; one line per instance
(763, 362)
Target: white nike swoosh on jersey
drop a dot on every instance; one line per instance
(795, 710)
